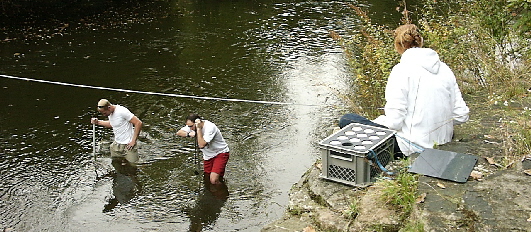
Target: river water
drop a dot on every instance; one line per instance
(267, 50)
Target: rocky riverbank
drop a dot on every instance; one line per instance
(493, 199)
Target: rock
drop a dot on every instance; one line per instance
(472, 206)
(324, 204)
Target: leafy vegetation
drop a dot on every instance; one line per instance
(372, 57)
(487, 45)
(412, 226)
(352, 211)
(401, 192)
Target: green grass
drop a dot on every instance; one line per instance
(413, 226)
(352, 211)
(401, 192)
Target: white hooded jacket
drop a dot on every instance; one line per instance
(423, 101)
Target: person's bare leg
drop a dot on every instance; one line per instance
(214, 178)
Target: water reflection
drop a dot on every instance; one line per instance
(267, 50)
(208, 205)
(125, 184)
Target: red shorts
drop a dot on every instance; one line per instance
(216, 164)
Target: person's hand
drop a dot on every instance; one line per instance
(94, 121)
(130, 145)
(199, 124)
(191, 133)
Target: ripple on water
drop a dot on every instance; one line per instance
(50, 165)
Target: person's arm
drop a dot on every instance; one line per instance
(186, 133)
(200, 139)
(138, 127)
(182, 133)
(396, 96)
(460, 112)
(100, 122)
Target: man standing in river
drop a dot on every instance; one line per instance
(210, 141)
(126, 127)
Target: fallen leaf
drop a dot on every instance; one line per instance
(529, 219)
(441, 185)
(492, 162)
(319, 166)
(421, 198)
(476, 175)
(510, 165)
(309, 229)
(528, 172)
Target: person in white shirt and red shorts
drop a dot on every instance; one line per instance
(212, 144)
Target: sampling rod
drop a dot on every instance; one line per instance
(94, 140)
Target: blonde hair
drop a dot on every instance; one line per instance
(104, 102)
(407, 36)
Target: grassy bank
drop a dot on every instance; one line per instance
(486, 44)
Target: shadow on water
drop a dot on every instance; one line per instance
(207, 207)
(125, 184)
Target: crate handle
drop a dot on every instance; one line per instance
(341, 157)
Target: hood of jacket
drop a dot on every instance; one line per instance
(427, 58)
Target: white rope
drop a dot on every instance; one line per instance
(151, 93)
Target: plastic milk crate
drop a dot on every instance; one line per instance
(355, 154)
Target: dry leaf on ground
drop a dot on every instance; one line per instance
(490, 160)
(528, 172)
(441, 185)
(510, 165)
(421, 198)
(309, 229)
(476, 175)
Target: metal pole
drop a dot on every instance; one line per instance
(94, 140)
(196, 154)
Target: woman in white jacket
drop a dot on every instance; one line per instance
(423, 100)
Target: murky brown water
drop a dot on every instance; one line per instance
(258, 50)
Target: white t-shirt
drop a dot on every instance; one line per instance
(215, 142)
(122, 128)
